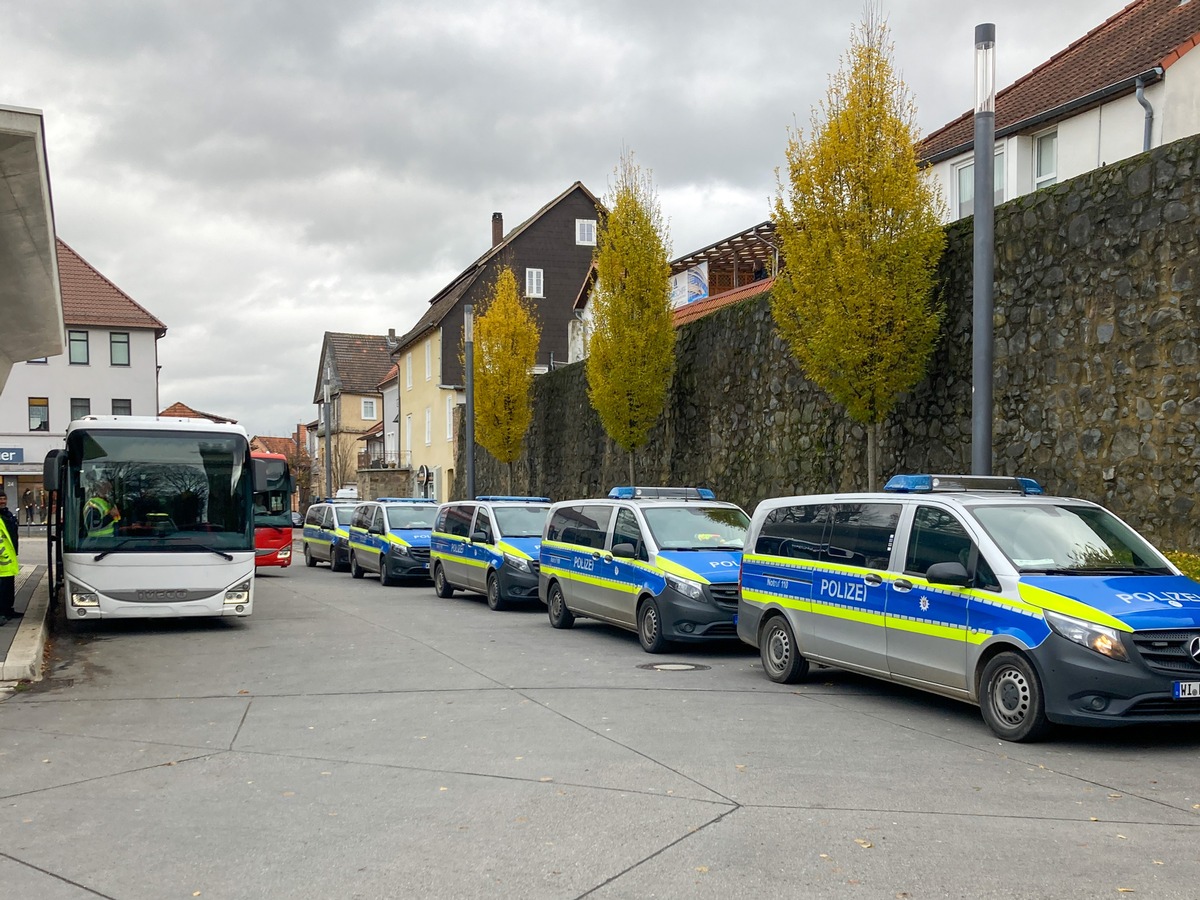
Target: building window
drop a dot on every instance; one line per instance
(965, 184)
(428, 425)
(450, 418)
(428, 360)
(122, 407)
(1045, 160)
(533, 283)
(408, 371)
(118, 348)
(39, 414)
(368, 410)
(77, 342)
(408, 434)
(80, 407)
(39, 361)
(585, 232)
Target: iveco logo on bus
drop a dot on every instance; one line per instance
(179, 594)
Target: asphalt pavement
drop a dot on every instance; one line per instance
(352, 740)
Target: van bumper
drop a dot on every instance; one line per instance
(685, 619)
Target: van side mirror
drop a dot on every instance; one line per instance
(51, 467)
(479, 537)
(624, 551)
(951, 573)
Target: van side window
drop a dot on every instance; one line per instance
(458, 521)
(938, 536)
(483, 522)
(359, 520)
(377, 521)
(794, 531)
(627, 531)
(440, 523)
(313, 516)
(586, 526)
(861, 534)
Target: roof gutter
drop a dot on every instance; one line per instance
(1079, 104)
(1141, 98)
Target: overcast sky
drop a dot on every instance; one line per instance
(256, 172)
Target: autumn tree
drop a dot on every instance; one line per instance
(631, 347)
(505, 350)
(859, 229)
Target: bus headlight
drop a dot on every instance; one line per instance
(239, 593)
(691, 589)
(285, 553)
(84, 599)
(521, 565)
(1105, 641)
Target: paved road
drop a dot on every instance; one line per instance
(352, 740)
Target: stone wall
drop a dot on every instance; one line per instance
(1097, 384)
(374, 483)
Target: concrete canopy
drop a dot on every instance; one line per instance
(29, 289)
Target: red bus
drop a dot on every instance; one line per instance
(273, 513)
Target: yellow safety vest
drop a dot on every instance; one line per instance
(9, 564)
(101, 506)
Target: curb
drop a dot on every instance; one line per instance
(24, 660)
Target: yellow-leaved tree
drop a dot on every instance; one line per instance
(505, 350)
(859, 227)
(631, 346)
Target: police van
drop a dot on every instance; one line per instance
(659, 561)
(390, 538)
(489, 546)
(326, 536)
(1039, 609)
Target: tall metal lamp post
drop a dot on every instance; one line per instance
(469, 359)
(328, 436)
(985, 241)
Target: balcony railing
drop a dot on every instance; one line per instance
(377, 459)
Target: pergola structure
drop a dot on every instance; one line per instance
(737, 260)
(29, 291)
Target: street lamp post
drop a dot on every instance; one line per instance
(984, 249)
(328, 441)
(469, 359)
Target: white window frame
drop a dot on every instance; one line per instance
(998, 171)
(450, 418)
(585, 232)
(428, 426)
(1051, 177)
(408, 371)
(408, 435)
(374, 409)
(534, 283)
(428, 360)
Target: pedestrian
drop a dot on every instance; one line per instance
(9, 565)
(11, 520)
(27, 502)
(100, 513)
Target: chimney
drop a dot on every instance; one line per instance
(497, 228)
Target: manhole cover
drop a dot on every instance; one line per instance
(674, 667)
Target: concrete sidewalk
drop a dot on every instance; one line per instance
(22, 641)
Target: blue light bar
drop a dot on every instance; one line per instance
(927, 484)
(407, 500)
(661, 493)
(503, 498)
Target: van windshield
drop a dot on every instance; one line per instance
(344, 514)
(1068, 539)
(695, 527)
(521, 521)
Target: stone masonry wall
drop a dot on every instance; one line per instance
(1097, 373)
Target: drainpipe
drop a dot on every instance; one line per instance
(1141, 98)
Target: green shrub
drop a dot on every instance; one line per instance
(1189, 563)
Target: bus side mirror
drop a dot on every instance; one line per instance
(261, 481)
(51, 466)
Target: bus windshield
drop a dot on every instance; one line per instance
(154, 491)
(273, 507)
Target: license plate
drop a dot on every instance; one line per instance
(426, 566)
(1186, 690)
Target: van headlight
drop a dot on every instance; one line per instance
(521, 565)
(693, 590)
(239, 593)
(1105, 641)
(398, 550)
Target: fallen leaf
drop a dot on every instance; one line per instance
(195, 893)
(289, 793)
(1122, 837)
(326, 773)
(521, 819)
(1126, 891)
(45, 760)
(740, 768)
(1158, 862)
(824, 856)
(866, 845)
(1114, 796)
(243, 692)
(1093, 819)
(443, 789)
(545, 778)
(702, 869)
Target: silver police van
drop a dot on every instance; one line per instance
(1039, 609)
(659, 561)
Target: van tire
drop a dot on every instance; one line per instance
(556, 607)
(650, 630)
(384, 578)
(1011, 698)
(308, 558)
(441, 586)
(781, 657)
(494, 600)
(334, 563)
(355, 569)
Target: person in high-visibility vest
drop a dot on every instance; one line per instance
(100, 514)
(9, 566)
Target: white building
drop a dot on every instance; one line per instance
(109, 367)
(1127, 86)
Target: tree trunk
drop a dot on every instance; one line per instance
(508, 489)
(872, 455)
(631, 467)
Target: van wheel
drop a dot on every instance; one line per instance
(384, 578)
(650, 631)
(781, 657)
(493, 593)
(335, 561)
(560, 616)
(441, 586)
(355, 570)
(1011, 699)
(308, 558)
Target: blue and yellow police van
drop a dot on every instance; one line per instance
(326, 535)
(489, 546)
(660, 561)
(389, 537)
(1039, 609)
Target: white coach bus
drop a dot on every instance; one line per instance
(151, 517)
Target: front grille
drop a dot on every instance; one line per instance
(1164, 706)
(721, 629)
(724, 595)
(534, 566)
(420, 554)
(1167, 651)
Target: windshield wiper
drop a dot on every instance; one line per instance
(117, 546)
(1095, 570)
(220, 553)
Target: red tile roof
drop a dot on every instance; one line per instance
(389, 377)
(1100, 65)
(699, 309)
(89, 298)
(359, 362)
(282, 445)
(179, 411)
